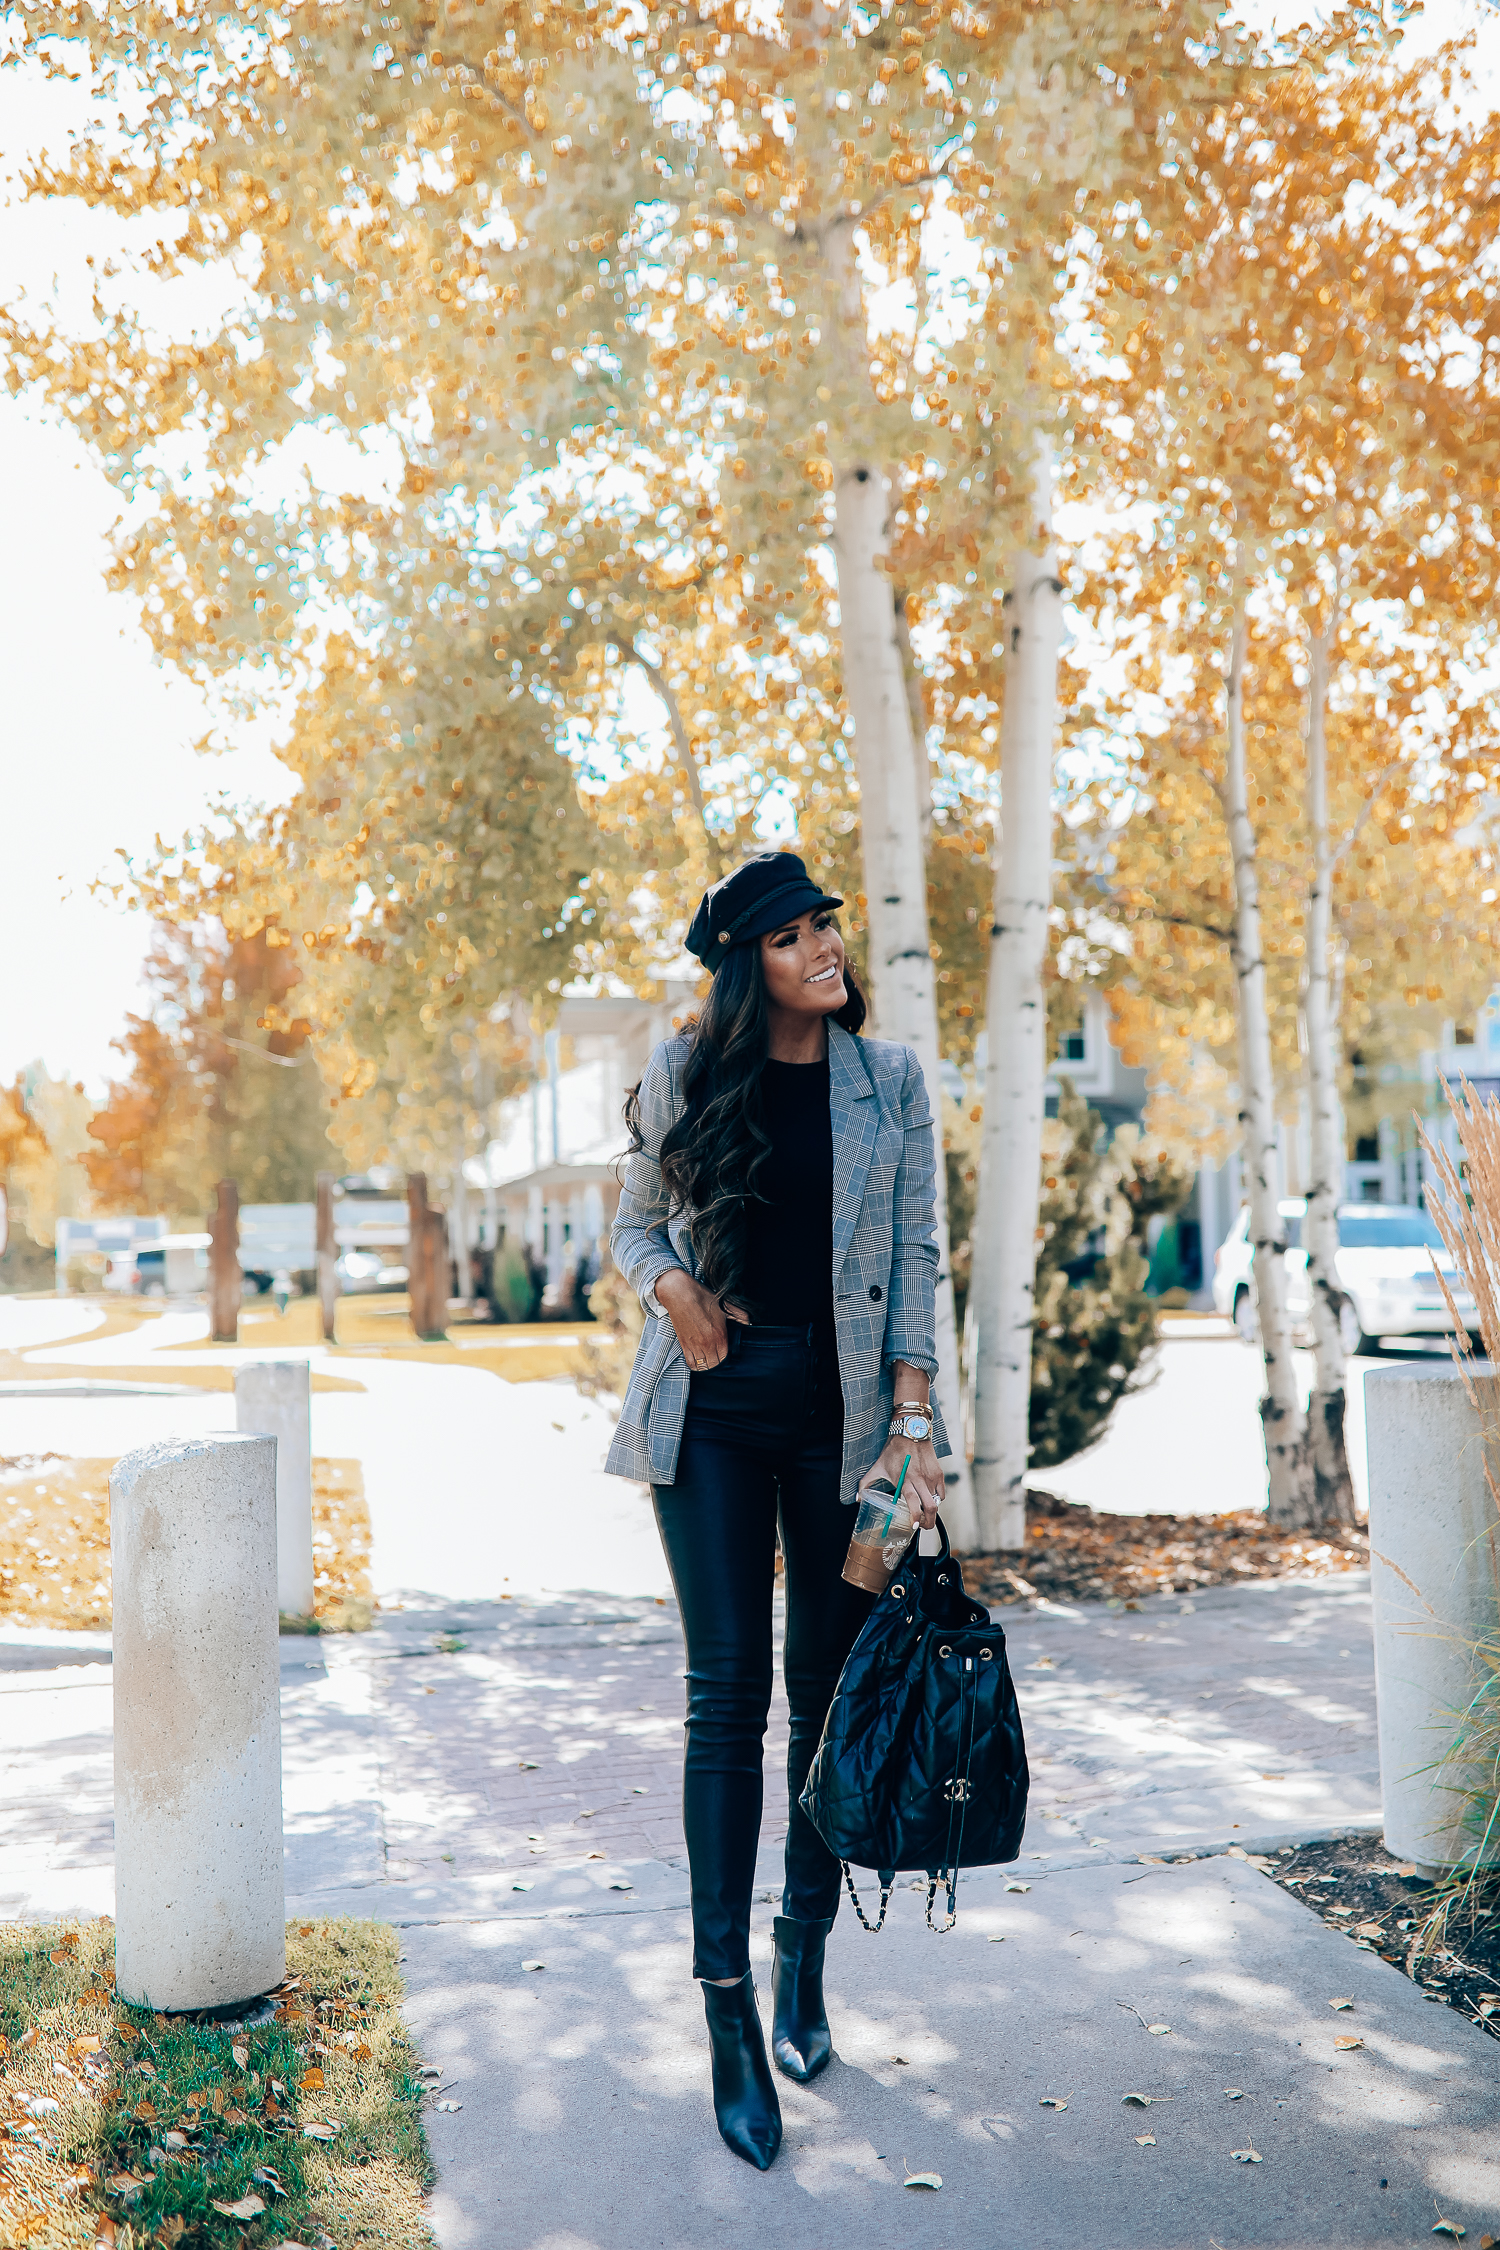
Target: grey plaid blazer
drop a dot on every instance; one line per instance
(884, 1252)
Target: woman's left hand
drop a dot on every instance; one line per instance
(924, 1485)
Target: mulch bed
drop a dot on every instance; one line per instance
(1445, 1938)
(1075, 1553)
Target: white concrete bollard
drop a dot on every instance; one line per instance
(274, 1396)
(1435, 1580)
(200, 1911)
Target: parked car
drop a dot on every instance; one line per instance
(1384, 1265)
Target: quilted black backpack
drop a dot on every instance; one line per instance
(922, 1765)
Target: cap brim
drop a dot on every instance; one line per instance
(783, 910)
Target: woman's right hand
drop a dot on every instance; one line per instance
(700, 1320)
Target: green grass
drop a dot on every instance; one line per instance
(156, 2121)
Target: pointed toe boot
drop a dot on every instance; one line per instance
(745, 2104)
(799, 2022)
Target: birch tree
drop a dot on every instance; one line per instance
(1321, 1012)
(1003, 1287)
(1316, 339)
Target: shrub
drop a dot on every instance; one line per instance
(1095, 1324)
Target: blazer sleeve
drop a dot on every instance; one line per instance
(638, 1240)
(911, 1323)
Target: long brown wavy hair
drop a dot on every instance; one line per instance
(711, 1156)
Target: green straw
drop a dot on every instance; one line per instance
(895, 1498)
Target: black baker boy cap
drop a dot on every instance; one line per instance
(766, 891)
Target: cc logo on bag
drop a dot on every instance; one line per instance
(958, 1792)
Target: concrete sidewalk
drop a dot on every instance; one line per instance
(462, 1748)
(586, 2123)
(501, 1780)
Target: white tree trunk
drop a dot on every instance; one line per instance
(900, 949)
(1003, 1272)
(1320, 1227)
(1292, 1494)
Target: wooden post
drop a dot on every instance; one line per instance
(224, 1278)
(416, 1248)
(327, 1256)
(439, 1263)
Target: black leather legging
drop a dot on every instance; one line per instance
(763, 1439)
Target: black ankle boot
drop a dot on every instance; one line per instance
(745, 2103)
(799, 2023)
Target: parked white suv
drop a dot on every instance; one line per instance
(1384, 1266)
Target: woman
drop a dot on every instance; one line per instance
(777, 1221)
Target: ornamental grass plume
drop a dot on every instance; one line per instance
(1467, 1213)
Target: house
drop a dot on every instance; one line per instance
(551, 1173)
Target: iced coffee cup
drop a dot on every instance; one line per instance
(882, 1533)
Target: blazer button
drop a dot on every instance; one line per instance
(875, 1296)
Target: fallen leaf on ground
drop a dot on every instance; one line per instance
(899, 2059)
(923, 2180)
(319, 2132)
(29, 2038)
(268, 2177)
(1273, 1777)
(241, 2053)
(86, 2046)
(429, 2070)
(1234, 2093)
(1158, 2027)
(528, 1765)
(593, 1855)
(1450, 2227)
(312, 2081)
(528, 1885)
(123, 2183)
(996, 1938)
(533, 1964)
(174, 2140)
(1342, 2046)
(248, 2207)
(1144, 2101)
(1145, 2140)
(1054, 2101)
(1369, 1929)
(1341, 2003)
(1018, 1886)
(1244, 2156)
(450, 2105)
(622, 1885)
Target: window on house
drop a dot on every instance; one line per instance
(1073, 1047)
(1463, 1035)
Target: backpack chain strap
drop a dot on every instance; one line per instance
(874, 1928)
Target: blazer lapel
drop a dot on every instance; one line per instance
(855, 1114)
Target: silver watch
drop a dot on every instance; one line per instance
(915, 1426)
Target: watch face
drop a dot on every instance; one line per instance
(917, 1426)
